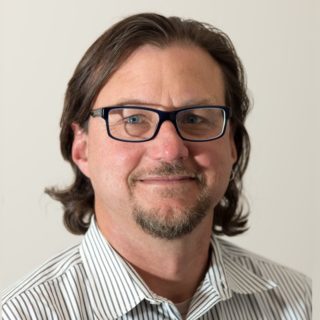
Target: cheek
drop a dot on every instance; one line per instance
(111, 162)
(216, 163)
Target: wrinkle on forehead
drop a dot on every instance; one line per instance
(158, 77)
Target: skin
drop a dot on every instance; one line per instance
(165, 79)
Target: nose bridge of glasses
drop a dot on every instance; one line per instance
(167, 116)
(169, 144)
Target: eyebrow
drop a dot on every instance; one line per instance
(188, 103)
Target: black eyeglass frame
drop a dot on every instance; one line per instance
(163, 116)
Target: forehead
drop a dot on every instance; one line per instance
(173, 76)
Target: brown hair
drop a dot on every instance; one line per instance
(98, 64)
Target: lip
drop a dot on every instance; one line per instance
(167, 179)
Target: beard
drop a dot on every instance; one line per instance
(176, 222)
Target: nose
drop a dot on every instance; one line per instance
(167, 146)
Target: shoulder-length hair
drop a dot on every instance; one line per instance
(103, 58)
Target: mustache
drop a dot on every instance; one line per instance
(177, 168)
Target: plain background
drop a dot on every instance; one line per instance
(278, 42)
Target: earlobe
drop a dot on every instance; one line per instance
(80, 148)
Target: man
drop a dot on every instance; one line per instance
(153, 126)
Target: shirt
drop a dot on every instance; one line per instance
(92, 281)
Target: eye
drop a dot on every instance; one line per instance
(192, 119)
(134, 119)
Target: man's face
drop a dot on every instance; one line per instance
(166, 185)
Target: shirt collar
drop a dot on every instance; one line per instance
(234, 276)
(115, 287)
(225, 276)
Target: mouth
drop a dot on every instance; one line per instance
(170, 175)
(167, 180)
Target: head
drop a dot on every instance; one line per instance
(96, 71)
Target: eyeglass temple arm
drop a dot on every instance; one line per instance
(97, 113)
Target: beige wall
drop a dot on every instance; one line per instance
(41, 42)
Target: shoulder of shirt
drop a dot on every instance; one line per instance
(262, 266)
(52, 270)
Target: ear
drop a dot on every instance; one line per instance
(233, 149)
(80, 148)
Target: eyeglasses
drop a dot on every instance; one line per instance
(139, 124)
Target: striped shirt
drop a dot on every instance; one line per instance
(92, 281)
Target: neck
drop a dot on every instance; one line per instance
(171, 268)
